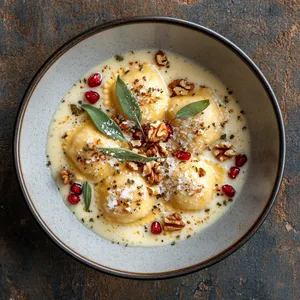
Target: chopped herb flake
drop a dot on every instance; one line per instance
(119, 57)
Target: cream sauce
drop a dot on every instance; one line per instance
(135, 235)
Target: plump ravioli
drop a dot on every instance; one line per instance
(190, 185)
(87, 161)
(196, 133)
(150, 90)
(124, 198)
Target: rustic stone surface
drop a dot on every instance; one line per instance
(32, 267)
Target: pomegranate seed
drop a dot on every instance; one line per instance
(228, 190)
(240, 160)
(92, 97)
(76, 188)
(73, 198)
(95, 80)
(170, 129)
(233, 172)
(156, 228)
(182, 155)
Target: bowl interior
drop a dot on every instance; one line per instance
(59, 76)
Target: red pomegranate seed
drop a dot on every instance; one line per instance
(92, 97)
(76, 188)
(182, 155)
(156, 228)
(233, 172)
(170, 129)
(95, 80)
(240, 160)
(228, 190)
(73, 199)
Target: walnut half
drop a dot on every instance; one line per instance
(180, 87)
(161, 59)
(223, 151)
(152, 172)
(174, 222)
(157, 132)
(66, 176)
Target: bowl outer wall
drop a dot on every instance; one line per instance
(84, 52)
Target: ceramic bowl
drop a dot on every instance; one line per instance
(214, 52)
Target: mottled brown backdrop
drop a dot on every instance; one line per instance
(33, 267)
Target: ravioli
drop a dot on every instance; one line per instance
(124, 198)
(87, 161)
(190, 185)
(197, 133)
(150, 90)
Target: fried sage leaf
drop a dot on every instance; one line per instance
(87, 194)
(126, 155)
(128, 103)
(104, 123)
(192, 109)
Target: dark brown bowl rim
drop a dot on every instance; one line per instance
(190, 25)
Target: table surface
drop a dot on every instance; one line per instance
(33, 267)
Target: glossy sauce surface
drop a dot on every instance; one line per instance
(139, 233)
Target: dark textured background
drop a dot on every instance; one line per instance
(32, 267)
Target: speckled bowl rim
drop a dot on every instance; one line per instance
(153, 19)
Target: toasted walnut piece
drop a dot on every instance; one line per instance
(132, 166)
(152, 151)
(152, 172)
(223, 151)
(161, 59)
(180, 87)
(156, 149)
(138, 151)
(201, 172)
(155, 177)
(136, 143)
(66, 175)
(150, 191)
(124, 126)
(162, 150)
(157, 132)
(173, 84)
(186, 85)
(121, 122)
(174, 222)
(153, 190)
(147, 168)
(180, 91)
(118, 119)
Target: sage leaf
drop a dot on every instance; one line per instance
(128, 103)
(126, 155)
(104, 123)
(192, 109)
(87, 194)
